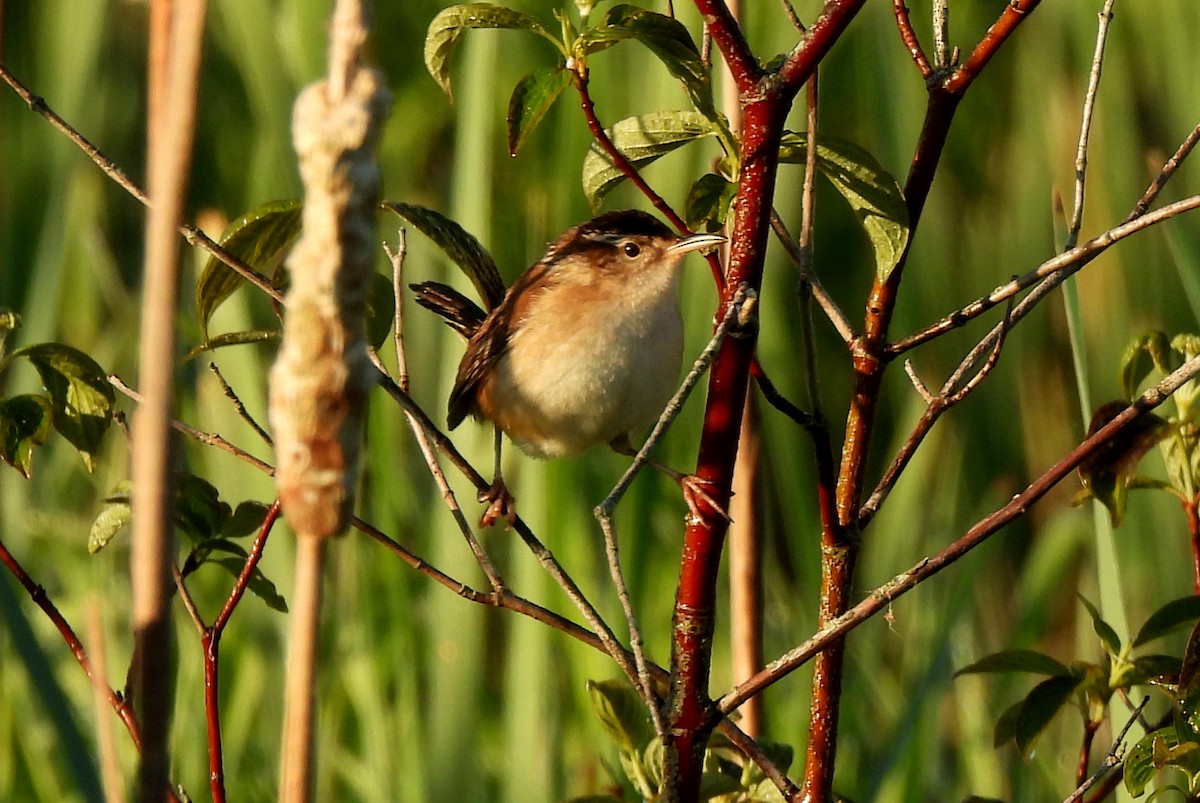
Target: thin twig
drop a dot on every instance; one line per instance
(194, 236)
(983, 529)
(743, 300)
(1164, 175)
(941, 34)
(239, 406)
(422, 434)
(396, 258)
(1058, 267)
(207, 438)
(189, 604)
(1112, 759)
(836, 317)
(37, 593)
(579, 76)
(604, 510)
(1085, 126)
(211, 642)
(953, 391)
(908, 35)
(792, 16)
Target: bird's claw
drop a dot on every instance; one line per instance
(500, 504)
(696, 490)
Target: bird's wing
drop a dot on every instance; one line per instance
(488, 343)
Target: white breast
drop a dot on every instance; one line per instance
(605, 370)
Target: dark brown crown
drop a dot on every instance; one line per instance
(607, 229)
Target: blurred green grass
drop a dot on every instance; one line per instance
(426, 697)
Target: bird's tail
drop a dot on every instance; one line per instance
(458, 312)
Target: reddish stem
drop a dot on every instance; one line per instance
(1085, 751)
(1190, 508)
(211, 642)
(580, 78)
(766, 100)
(38, 594)
(909, 36)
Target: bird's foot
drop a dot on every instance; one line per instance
(696, 495)
(501, 504)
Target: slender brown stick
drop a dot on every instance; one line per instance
(885, 594)
(1068, 262)
(109, 760)
(194, 236)
(239, 406)
(1164, 175)
(169, 150)
(296, 768)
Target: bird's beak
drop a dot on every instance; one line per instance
(694, 243)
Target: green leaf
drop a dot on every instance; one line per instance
(1039, 708)
(1108, 636)
(1158, 750)
(531, 98)
(1160, 670)
(1140, 766)
(1186, 344)
(1185, 398)
(24, 423)
(1189, 676)
(116, 514)
(708, 202)
(260, 238)
(1109, 470)
(458, 244)
(258, 583)
(234, 339)
(1006, 724)
(1017, 661)
(247, 519)
(1167, 619)
(641, 139)
(872, 192)
(453, 22)
(651, 765)
(9, 321)
(666, 38)
(81, 400)
(622, 714)
(1186, 715)
(381, 309)
(1142, 356)
(199, 511)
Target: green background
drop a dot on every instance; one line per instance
(423, 696)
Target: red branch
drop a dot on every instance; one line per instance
(885, 594)
(38, 594)
(1013, 15)
(765, 99)
(211, 642)
(911, 43)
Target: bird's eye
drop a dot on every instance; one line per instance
(631, 250)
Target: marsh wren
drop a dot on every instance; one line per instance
(585, 348)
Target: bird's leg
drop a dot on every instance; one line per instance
(695, 489)
(500, 501)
